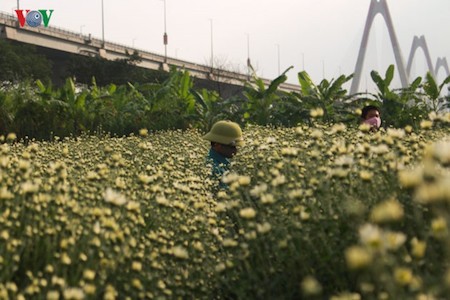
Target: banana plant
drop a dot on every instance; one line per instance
(326, 95)
(76, 106)
(399, 107)
(403, 96)
(41, 112)
(103, 107)
(172, 103)
(261, 100)
(208, 108)
(384, 91)
(433, 92)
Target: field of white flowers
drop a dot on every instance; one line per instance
(313, 212)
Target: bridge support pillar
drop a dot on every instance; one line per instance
(164, 67)
(102, 52)
(2, 31)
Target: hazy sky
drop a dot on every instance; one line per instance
(324, 36)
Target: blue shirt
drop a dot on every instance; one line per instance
(220, 165)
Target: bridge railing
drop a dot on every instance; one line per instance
(71, 33)
(11, 20)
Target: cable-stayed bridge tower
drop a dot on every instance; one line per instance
(420, 42)
(442, 63)
(381, 7)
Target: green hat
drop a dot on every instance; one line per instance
(225, 132)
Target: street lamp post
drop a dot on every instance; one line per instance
(212, 47)
(103, 26)
(249, 65)
(278, 51)
(165, 37)
(18, 5)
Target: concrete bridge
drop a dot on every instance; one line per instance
(74, 43)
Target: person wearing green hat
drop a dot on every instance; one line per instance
(225, 137)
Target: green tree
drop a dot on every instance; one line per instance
(19, 62)
(119, 72)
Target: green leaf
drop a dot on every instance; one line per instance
(70, 86)
(273, 86)
(112, 88)
(430, 87)
(185, 84)
(199, 99)
(81, 102)
(446, 81)
(306, 83)
(41, 86)
(415, 84)
(379, 82)
(389, 75)
(251, 93)
(336, 87)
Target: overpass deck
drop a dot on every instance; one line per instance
(75, 43)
